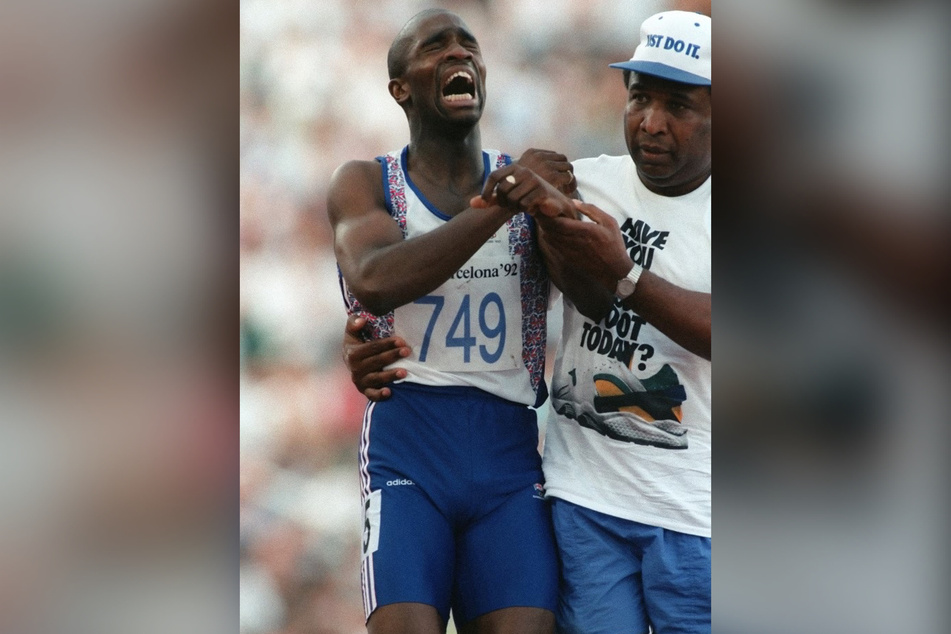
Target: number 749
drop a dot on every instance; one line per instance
(462, 321)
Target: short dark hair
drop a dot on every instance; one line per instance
(399, 49)
(396, 57)
(627, 80)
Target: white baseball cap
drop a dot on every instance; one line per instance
(674, 45)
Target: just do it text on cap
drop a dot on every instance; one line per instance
(674, 45)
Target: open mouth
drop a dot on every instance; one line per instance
(653, 150)
(459, 87)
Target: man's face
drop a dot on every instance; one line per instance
(444, 71)
(667, 127)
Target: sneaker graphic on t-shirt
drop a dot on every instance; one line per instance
(641, 411)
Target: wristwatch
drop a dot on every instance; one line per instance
(627, 284)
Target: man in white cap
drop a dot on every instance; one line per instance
(627, 449)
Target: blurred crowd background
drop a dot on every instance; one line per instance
(143, 143)
(313, 95)
(830, 266)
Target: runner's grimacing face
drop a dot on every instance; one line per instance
(445, 70)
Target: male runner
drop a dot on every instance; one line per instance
(455, 516)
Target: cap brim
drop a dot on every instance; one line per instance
(664, 71)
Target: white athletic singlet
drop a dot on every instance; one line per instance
(485, 326)
(629, 430)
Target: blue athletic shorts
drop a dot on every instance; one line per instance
(454, 509)
(623, 576)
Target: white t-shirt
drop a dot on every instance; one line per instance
(629, 430)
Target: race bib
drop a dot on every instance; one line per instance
(472, 323)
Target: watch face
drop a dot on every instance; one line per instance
(624, 288)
